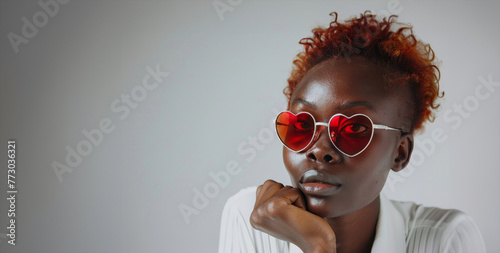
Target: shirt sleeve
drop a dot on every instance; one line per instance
(464, 237)
(443, 231)
(234, 231)
(237, 234)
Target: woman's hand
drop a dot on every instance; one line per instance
(281, 212)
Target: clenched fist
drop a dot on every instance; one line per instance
(281, 212)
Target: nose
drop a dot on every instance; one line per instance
(322, 150)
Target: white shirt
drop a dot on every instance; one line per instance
(401, 227)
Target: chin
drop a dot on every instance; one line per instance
(321, 207)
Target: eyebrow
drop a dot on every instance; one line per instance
(344, 106)
(304, 102)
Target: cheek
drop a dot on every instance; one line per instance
(376, 163)
(365, 182)
(376, 178)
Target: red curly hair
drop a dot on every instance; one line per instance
(409, 61)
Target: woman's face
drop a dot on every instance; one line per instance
(338, 86)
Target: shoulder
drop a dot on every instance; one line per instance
(238, 209)
(438, 230)
(243, 200)
(238, 235)
(423, 216)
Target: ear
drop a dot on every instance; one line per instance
(402, 153)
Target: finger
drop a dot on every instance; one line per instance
(300, 200)
(293, 196)
(269, 193)
(269, 188)
(263, 187)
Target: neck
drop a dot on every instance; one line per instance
(355, 232)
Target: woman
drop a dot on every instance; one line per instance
(356, 96)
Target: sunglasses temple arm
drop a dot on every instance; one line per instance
(375, 126)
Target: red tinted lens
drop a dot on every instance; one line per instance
(351, 135)
(295, 131)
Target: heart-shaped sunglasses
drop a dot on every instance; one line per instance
(350, 135)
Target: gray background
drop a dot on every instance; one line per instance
(225, 83)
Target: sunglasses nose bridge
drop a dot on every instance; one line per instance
(322, 150)
(320, 126)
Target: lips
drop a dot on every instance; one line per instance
(317, 183)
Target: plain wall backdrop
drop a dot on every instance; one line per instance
(76, 66)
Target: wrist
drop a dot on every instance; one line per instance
(326, 246)
(322, 249)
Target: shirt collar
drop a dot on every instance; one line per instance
(390, 232)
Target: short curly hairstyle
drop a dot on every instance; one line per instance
(384, 42)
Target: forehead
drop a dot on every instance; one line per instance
(335, 82)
